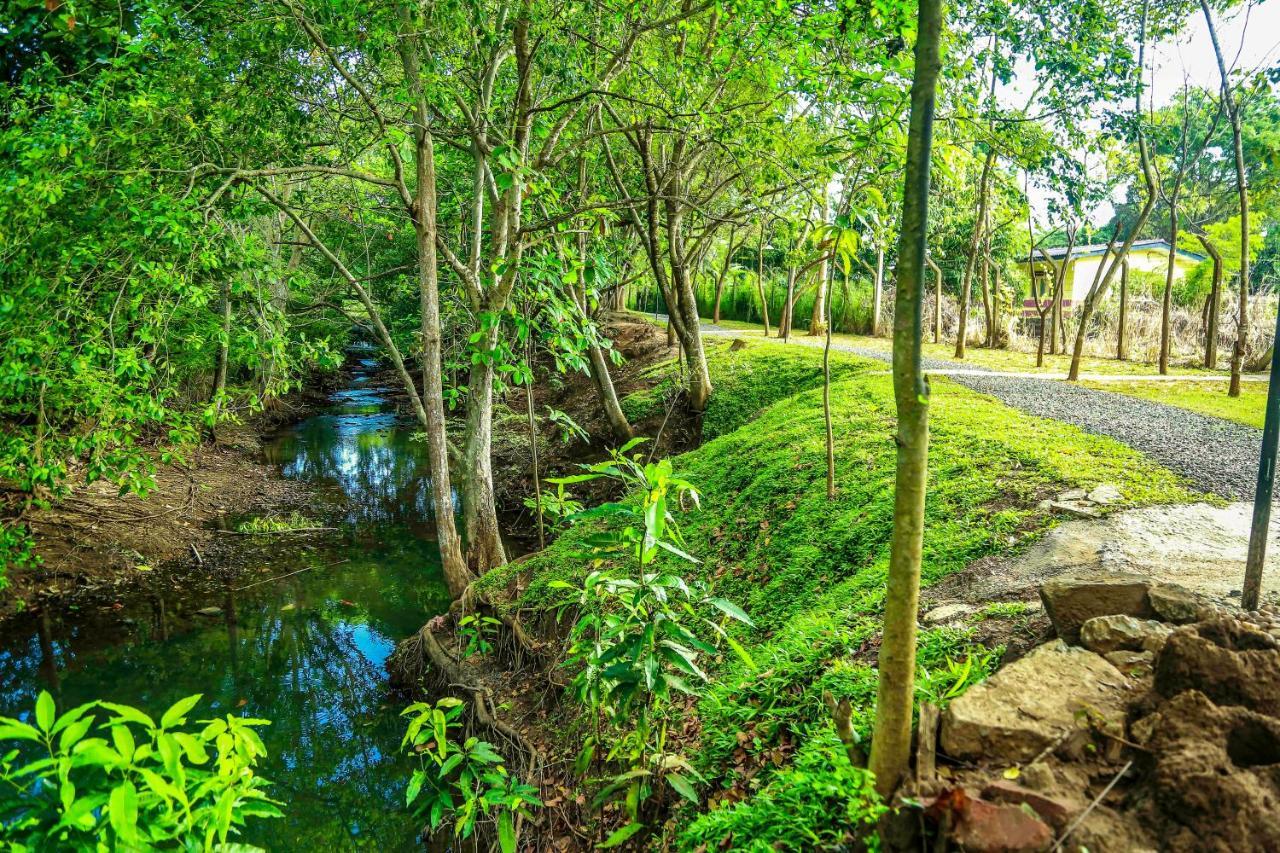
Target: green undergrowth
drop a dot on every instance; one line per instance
(810, 571)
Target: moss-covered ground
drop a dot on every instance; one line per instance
(1206, 398)
(810, 571)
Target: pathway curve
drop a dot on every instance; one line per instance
(1216, 455)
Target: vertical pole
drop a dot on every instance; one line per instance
(1266, 482)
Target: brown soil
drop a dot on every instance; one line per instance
(96, 544)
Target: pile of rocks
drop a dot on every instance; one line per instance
(1151, 722)
(1081, 503)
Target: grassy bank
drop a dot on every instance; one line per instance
(810, 571)
(1205, 398)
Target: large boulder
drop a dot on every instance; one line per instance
(1230, 662)
(1035, 703)
(1073, 599)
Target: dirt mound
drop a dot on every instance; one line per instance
(1214, 783)
(1227, 661)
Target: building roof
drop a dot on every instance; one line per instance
(1094, 249)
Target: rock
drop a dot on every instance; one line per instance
(738, 343)
(1044, 505)
(990, 828)
(1072, 495)
(1105, 494)
(1228, 661)
(945, 613)
(1033, 704)
(1214, 784)
(1054, 811)
(1079, 510)
(209, 611)
(1131, 663)
(1104, 634)
(1178, 604)
(1073, 599)
(1038, 776)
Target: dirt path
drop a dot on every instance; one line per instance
(1216, 455)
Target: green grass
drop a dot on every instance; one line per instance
(1206, 398)
(993, 359)
(811, 571)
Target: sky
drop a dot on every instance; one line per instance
(1250, 40)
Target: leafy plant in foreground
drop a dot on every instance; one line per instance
(477, 632)
(635, 643)
(463, 780)
(129, 782)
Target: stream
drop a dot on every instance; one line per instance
(305, 651)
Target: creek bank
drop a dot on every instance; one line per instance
(1152, 722)
(97, 545)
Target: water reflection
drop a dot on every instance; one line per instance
(307, 650)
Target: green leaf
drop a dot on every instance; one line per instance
(621, 835)
(729, 608)
(415, 787)
(176, 714)
(123, 812)
(44, 711)
(683, 787)
(506, 833)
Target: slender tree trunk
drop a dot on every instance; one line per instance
(987, 321)
(784, 324)
(877, 305)
(764, 299)
(826, 405)
(431, 405)
(720, 279)
(533, 437)
(891, 744)
(818, 319)
(1215, 303)
(1242, 189)
(937, 300)
(1166, 302)
(1122, 345)
(971, 260)
(224, 356)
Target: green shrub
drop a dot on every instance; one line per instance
(77, 782)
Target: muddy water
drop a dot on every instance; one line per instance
(305, 651)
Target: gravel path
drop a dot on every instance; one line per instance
(1216, 455)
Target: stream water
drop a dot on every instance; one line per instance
(306, 651)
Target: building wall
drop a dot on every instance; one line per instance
(1080, 276)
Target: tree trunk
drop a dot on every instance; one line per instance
(1242, 189)
(720, 279)
(224, 355)
(987, 320)
(937, 300)
(878, 294)
(891, 744)
(764, 299)
(818, 319)
(788, 306)
(1215, 303)
(1166, 301)
(1122, 345)
(479, 511)
(826, 406)
(971, 261)
(431, 405)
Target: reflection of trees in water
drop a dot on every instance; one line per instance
(370, 458)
